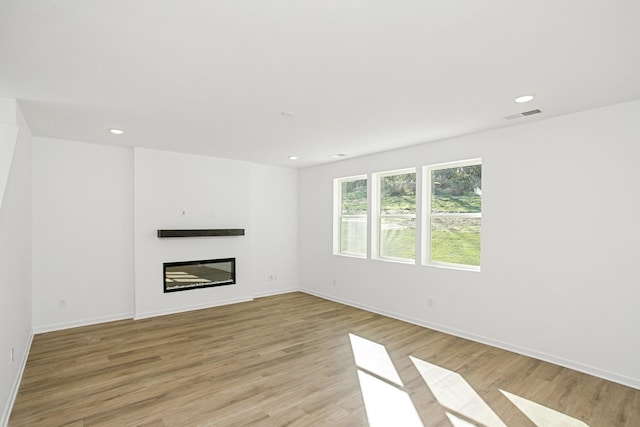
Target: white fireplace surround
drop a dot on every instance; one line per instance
(202, 191)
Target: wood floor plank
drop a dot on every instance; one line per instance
(284, 360)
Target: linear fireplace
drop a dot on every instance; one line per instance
(185, 275)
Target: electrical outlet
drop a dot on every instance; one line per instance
(430, 302)
(62, 303)
(272, 277)
(333, 282)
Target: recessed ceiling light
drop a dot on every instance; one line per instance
(337, 155)
(293, 157)
(524, 98)
(116, 131)
(287, 114)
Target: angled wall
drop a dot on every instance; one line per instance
(8, 137)
(15, 259)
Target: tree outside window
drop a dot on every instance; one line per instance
(397, 215)
(352, 216)
(454, 214)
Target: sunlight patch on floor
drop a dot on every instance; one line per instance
(387, 405)
(456, 395)
(541, 415)
(373, 357)
(385, 400)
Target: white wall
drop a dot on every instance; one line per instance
(15, 265)
(8, 137)
(83, 245)
(82, 233)
(213, 193)
(275, 230)
(560, 235)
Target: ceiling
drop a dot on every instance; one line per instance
(213, 77)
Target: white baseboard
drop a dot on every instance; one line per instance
(182, 309)
(276, 292)
(16, 384)
(571, 364)
(83, 322)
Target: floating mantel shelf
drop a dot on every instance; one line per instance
(201, 232)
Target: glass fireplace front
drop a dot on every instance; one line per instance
(185, 275)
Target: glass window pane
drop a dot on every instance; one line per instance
(353, 236)
(354, 197)
(456, 190)
(398, 194)
(398, 237)
(455, 240)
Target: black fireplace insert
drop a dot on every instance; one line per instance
(186, 275)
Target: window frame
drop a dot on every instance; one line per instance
(338, 216)
(427, 215)
(376, 233)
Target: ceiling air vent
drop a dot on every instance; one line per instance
(520, 115)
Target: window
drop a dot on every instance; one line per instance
(453, 207)
(350, 229)
(396, 221)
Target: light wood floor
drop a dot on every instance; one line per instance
(283, 360)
